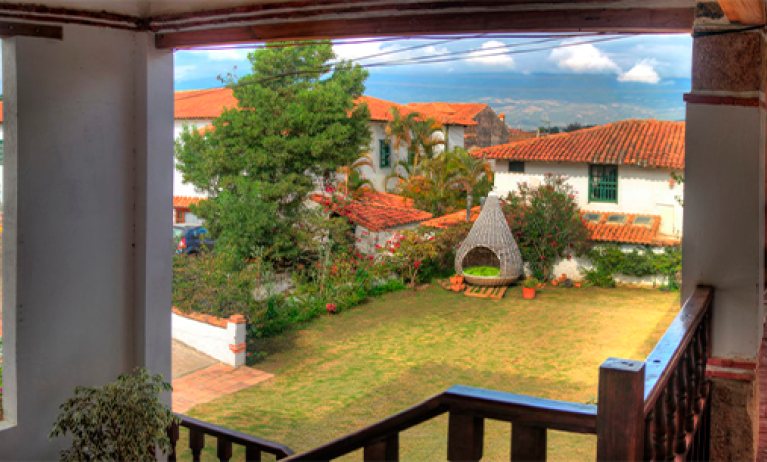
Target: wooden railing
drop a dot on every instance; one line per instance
(468, 408)
(653, 410)
(659, 409)
(225, 440)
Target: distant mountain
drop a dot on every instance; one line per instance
(530, 101)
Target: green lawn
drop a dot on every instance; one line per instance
(347, 371)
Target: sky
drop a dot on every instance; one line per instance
(533, 80)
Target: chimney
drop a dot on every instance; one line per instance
(502, 117)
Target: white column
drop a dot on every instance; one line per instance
(86, 242)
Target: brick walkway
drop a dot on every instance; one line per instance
(212, 382)
(762, 452)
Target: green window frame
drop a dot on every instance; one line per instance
(385, 151)
(603, 183)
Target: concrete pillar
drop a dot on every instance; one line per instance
(724, 220)
(87, 242)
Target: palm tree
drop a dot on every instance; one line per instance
(434, 188)
(470, 171)
(352, 176)
(356, 185)
(400, 128)
(423, 140)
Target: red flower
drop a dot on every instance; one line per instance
(331, 307)
(568, 257)
(543, 257)
(417, 264)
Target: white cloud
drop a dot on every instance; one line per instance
(230, 54)
(185, 72)
(643, 71)
(359, 50)
(393, 52)
(490, 54)
(584, 59)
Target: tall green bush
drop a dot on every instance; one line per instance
(609, 260)
(546, 223)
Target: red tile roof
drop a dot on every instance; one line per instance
(452, 218)
(203, 104)
(183, 202)
(380, 112)
(460, 110)
(627, 233)
(209, 104)
(645, 143)
(376, 216)
(387, 199)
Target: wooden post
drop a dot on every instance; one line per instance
(196, 443)
(384, 450)
(465, 437)
(620, 411)
(528, 443)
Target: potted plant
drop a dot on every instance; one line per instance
(122, 420)
(456, 280)
(528, 288)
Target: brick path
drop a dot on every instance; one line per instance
(762, 452)
(212, 382)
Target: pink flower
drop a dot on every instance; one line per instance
(417, 264)
(331, 307)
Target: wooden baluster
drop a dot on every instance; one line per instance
(173, 437)
(692, 389)
(680, 445)
(649, 437)
(659, 437)
(670, 416)
(224, 449)
(620, 414)
(528, 443)
(465, 437)
(196, 443)
(383, 450)
(253, 454)
(700, 368)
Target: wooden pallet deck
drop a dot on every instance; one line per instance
(495, 293)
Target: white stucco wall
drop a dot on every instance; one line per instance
(640, 190)
(575, 267)
(91, 300)
(179, 187)
(214, 341)
(369, 239)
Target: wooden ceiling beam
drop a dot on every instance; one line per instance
(617, 20)
(749, 12)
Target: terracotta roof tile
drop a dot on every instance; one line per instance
(387, 199)
(460, 110)
(375, 215)
(209, 104)
(645, 143)
(379, 111)
(183, 202)
(203, 104)
(452, 218)
(627, 233)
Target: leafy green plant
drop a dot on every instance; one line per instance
(609, 260)
(482, 271)
(530, 283)
(546, 223)
(122, 420)
(409, 249)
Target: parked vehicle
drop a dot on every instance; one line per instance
(191, 239)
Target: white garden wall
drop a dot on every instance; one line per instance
(221, 339)
(640, 190)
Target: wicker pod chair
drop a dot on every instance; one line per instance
(490, 243)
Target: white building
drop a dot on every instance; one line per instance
(624, 167)
(198, 108)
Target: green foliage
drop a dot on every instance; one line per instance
(609, 260)
(530, 283)
(482, 271)
(409, 250)
(122, 420)
(296, 119)
(546, 223)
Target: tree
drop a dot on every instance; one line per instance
(400, 128)
(423, 140)
(296, 120)
(354, 183)
(434, 187)
(470, 173)
(546, 223)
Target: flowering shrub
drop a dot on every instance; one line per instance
(546, 223)
(409, 250)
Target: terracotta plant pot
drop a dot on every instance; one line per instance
(578, 285)
(554, 282)
(456, 280)
(563, 277)
(528, 293)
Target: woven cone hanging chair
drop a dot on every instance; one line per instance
(490, 243)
